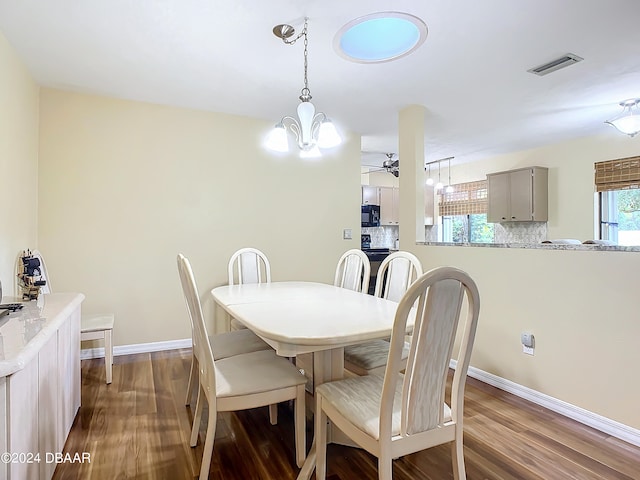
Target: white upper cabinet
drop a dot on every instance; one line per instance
(518, 195)
(370, 195)
(389, 206)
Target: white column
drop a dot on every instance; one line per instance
(411, 133)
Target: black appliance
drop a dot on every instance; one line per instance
(370, 216)
(376, 257)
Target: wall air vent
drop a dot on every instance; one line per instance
(557, 64)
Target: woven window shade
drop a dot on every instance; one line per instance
(621, 174)
(467, 199)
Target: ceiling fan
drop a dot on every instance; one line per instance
(390, 165)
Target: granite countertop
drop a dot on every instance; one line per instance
(24, 332)
(540, 246)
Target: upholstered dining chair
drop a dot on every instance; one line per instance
(408, 408)
(395, 275)
(96, 326)
(239, 382)
(248, 265)
(353, 271)
(226, 344)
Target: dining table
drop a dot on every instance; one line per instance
(296, 318)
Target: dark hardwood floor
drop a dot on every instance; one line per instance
(138, 427)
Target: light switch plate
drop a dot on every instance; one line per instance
(527, 350)
(347, 234)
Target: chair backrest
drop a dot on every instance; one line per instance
(396, 273)
(249, 265)
(201, 345)
(436, 299)
(353, 271)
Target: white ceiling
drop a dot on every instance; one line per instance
(470, 74)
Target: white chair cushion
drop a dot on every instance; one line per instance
(255, 372)
(371, 355)
(358, 399)
(235, 343)
(96, 322)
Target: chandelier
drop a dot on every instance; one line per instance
(627, 122)
(312, 130)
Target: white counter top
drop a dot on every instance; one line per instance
(24, 332)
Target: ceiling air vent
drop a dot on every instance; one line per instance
(557, 64)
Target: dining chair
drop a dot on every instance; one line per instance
(395, 275)
(248, 265)
(239, 382)
(353, 271)
(226, 344)
(93, 326)
(408, 409)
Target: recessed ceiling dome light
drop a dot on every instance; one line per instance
(380, 37)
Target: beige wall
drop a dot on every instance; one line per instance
(18, 162)
(581, 306)
(125, 186)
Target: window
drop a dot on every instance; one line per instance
(463, 214)
(618, 186)
(620, 216)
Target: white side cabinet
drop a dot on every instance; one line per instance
(518, 195)
(39, 385)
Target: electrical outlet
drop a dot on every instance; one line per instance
(527, 350)
(347, 234)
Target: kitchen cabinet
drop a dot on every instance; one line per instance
(370, 195)
(518, 195)
(389, 206)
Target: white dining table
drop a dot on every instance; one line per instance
(306, 317)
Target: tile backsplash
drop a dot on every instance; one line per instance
(508, 232)
(520, 232)
(382, 237)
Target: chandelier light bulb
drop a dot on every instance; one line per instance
(328, 136)
(277, 139)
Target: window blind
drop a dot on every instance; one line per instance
(467, 199)
(620, 174)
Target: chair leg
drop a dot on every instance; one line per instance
(207, 451)
(197, 417)
(273, 414)
(457, 457)
(108, 355)
(192, 375)
(320, 439)
(385, 468)
(299, 425)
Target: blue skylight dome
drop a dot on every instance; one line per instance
(380, 37)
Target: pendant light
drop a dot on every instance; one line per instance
(439, 185)
(312, 130)
(449, 188)
(429, 179)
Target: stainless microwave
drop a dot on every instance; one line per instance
(370, 216)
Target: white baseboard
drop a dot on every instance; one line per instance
(603, 424)
(89, 353)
